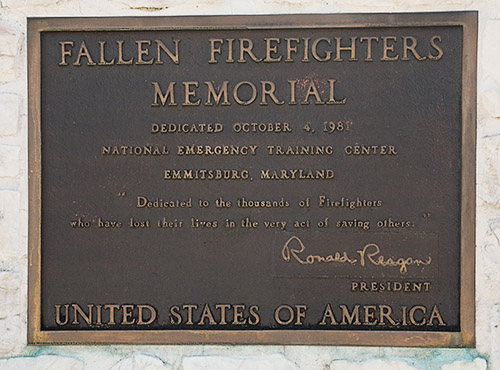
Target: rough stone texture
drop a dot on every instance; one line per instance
(14, 216)
(477, 364)
(42, 7)
(9, 224)
(490, 52)
(141, 362)
(9, 160)
(494, 334)
(403, 5)
(228, 363)
(12, 330)
(490, 97)
(8, 41)
(153, 5)
(371, 365)
(489, 89)
(9, 120)
(41, 363)
(7, 69)
(9, 47)
(10, 300)
(489, 191)
(492, 252)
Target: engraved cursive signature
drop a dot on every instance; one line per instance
(369, 254)
(287, 252)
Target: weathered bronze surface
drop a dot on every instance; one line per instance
(303, 179)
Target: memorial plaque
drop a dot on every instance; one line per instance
(299, 179)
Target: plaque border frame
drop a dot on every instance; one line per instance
(468, 20)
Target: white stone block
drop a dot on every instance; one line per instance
(483, 317)
(9, 118)
(490, 50)
(149, 5)
(317, 357)
(7, 69)
(274, 362)
(489, 97)
(41, 363)
(9, 40)
(371, 365)
(494, 336)
(489, 255)
(9, 160)
(12, 332)
(489, 178)
(161, 7)
(402, 5)
(477, 364)
(9, 48)
(141, 362)
(113, 8)
(486, 127)
(39, 6)
(10, 300)
(298, 6)
(292, 2)
(489, 86)
(10, 243)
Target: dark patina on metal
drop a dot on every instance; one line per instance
(304, 179)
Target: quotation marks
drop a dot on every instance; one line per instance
(426, 216)
(121, 194)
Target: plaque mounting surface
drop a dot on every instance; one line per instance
(299, 179)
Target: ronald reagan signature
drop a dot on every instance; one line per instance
(370, 254)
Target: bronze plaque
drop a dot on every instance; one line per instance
(304, 179)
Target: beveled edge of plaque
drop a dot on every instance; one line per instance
(468, 20)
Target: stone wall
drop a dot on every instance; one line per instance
(14, 351)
